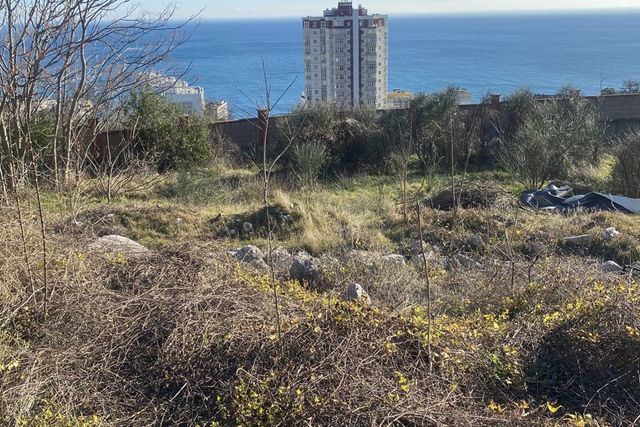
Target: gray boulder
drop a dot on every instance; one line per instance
(281, 259)
(248, 254)
(474, 242)
(612, 267)
(355, 292)
(304, 267)
(114, 244)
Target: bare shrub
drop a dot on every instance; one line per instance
(185, 337)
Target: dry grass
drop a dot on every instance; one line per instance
(187, 337)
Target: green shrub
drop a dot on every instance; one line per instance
(307, 161)
(172, 138)
(351, 136)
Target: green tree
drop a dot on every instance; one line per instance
(167, 134)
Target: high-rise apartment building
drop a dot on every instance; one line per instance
(346, 57)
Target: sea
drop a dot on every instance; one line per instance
(480, 53)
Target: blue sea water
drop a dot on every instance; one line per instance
(482, 53)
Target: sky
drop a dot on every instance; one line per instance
(237, 9)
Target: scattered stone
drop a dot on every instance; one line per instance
(355, 292)
(610, 233)
(393, 261)
(304, 267)
(233, 233)
(612, 267)
(247, 227)
(248, 254)
(114, 244)
(284, 217)
(583, 239)
(474, 242)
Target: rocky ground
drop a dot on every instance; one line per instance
(160, 312)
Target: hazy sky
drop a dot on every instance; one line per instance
(281, 8)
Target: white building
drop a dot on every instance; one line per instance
(346, 57)
(191, 98)
(218, 111)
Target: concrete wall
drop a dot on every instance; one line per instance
(244, 134)
(620, 112)
(619, 107)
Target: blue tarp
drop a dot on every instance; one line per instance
(554, 198)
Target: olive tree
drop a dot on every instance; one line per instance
(556, 137)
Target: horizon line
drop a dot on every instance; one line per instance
(496, 12)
